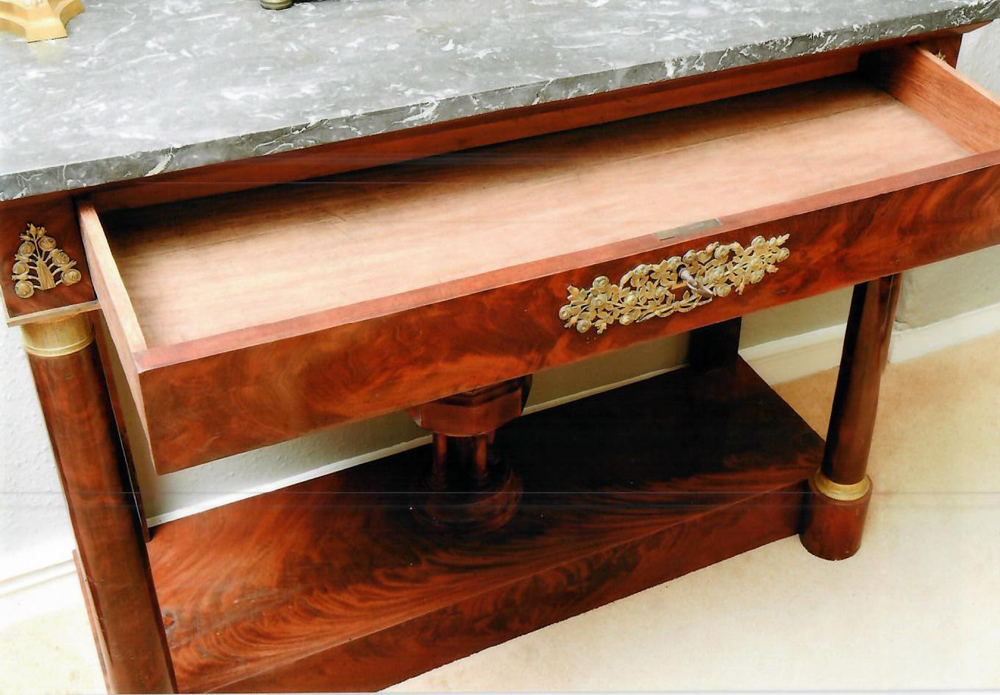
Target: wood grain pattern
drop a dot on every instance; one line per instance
(112, 553)
(116, 306)
(297, 384)
(110, 360)
(330, 585)
(832, 529)
(377, 347)
(945, 47)
(202, 268)
(58, 216)
(948, 99)
(866, 343)
(88, 602)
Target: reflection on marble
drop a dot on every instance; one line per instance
(147, 87)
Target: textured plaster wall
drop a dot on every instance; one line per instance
(34, 528)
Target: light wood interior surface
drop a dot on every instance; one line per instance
(204, 267)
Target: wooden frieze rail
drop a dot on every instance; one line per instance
(436, 269)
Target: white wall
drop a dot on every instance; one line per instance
(34, 529)
(34, 526)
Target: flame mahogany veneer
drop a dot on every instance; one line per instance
(444, 275)
(333, 583)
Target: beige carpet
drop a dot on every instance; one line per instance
(918, 607)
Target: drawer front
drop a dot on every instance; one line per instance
(237, 389)
(222, 404)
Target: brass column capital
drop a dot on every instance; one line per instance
(59, 337)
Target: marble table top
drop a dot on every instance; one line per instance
(141, 88)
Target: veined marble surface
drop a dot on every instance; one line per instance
(151, 86)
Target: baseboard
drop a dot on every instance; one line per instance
(797, 356)
(910, 343)
(37, 565)
(777, 361)
(49, 587)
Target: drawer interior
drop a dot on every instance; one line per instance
(250, 318)
(200, 268)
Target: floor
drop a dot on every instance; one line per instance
(917, 608)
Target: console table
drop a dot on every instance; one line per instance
(435, 266)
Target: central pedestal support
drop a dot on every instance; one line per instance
(623, 490)
(470, 488)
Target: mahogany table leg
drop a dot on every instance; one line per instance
(713, 346)
(834, 513)
(470, 487)
(73, 393)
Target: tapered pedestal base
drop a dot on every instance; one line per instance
(471, 508)
(470, 487)
(831, 527)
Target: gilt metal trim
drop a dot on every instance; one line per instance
(840, 491)
(39, 264)
(58, 338)
(675, 285)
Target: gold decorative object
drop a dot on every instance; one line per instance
(39, 264)
(675, 285)
(38, 20)
(840, 491)
(57, 338)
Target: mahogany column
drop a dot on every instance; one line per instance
(834, 513)
(714, 346)
(112, 556)
(470, 488)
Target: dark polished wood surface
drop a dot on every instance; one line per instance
(832, 528)
(331, 585)
(866, 346)
(58, 216)
(112, 554)
(513, 329)
(716, 345)
(471, 487)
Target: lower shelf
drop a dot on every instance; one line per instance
(332, 585)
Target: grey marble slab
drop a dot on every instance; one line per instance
(150, 86)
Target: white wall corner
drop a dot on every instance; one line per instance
(37, 582)
(797, 356)
(36, 564)
(908, 343)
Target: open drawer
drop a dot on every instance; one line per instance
(251, 318)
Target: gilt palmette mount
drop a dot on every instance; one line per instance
(675, 285)
(39, 264)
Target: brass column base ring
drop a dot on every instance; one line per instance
(275, 4)
(840, 491)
